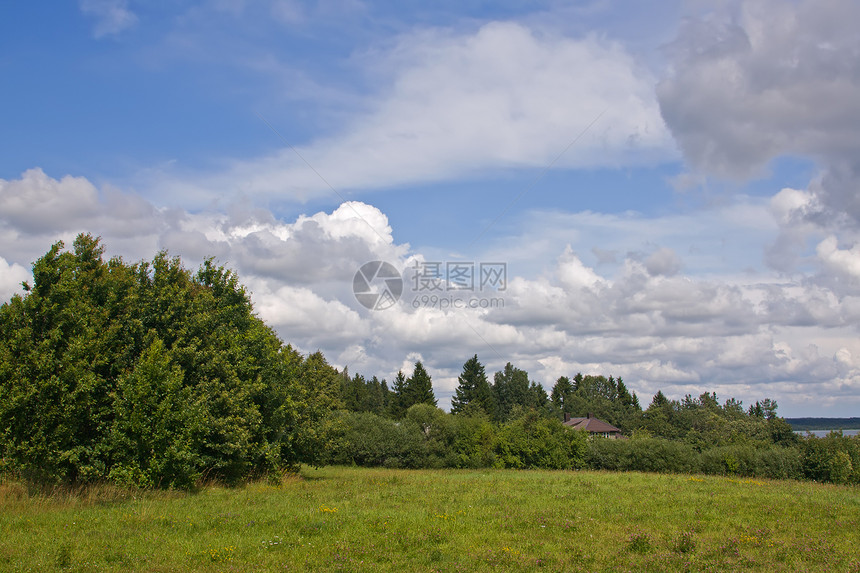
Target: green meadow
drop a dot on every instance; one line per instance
(350, 519)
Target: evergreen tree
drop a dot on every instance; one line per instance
(419, 388)
(561, 394)
(376, 396)
(659, 400)
(473, 391)
(397, 402)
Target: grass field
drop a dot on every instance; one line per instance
(347, 519)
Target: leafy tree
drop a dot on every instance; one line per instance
(474, 390)
(510, 388)
(148, 374)
(437, 430)
(474, 442)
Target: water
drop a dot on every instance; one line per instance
(823, 433)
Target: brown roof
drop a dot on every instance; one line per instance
(592, 425)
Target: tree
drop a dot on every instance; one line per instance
(510, 388)
(561, 392)
(397, 402)
(473, 391)
(360, 395)
(419, 388)
(148, 374)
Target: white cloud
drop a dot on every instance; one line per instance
(842, 261)
(658, 324)
(459, 104)
(112, 16)
(37, 203)
(663, 261)
(11, 277)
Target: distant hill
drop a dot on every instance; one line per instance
(801, 424)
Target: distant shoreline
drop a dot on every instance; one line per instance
(803, 424)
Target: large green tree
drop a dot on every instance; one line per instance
(419, 388)
(473, 392)
(148, 374)
(514, 393)
(397, 401)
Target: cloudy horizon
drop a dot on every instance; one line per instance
(672, 193)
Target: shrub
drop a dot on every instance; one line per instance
(777, 462)
(533, 441)
(642, 454)
(370, 440)
(833, 458)
(474, 442)
(739, 460)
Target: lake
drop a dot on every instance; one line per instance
(822, 433)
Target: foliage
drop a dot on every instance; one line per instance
(473, 392)
(150, 375)
(397, 400)
(642, 454)
(360, 395)
(833, 458)
(372, 440)
(606, 398)
(474, 441)
(534, 441)
(419, 388)
(513, 394)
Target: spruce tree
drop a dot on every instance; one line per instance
(419, 388)
(397, 400)
(474, 390)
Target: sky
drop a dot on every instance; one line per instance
(665, 192)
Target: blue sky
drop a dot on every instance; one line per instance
(672, 186)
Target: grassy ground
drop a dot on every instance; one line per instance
(345, 519)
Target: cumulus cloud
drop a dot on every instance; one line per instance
(37, 203)
(462, 103)
(11, 277)
(767, 80)
(843, 261)
(111, 16)
(663, 261)
(647, 318)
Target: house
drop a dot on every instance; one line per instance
(594, 426)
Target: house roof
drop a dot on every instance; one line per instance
(592, 425)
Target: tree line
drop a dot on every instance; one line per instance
(151, 375)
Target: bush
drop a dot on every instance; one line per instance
(777, 462)
(834, 458)
(370, 440)
(737, 460)
(642, 454)
(533, 441)
(474, 442)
